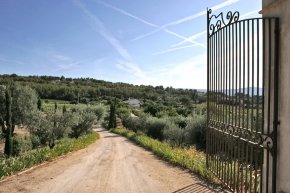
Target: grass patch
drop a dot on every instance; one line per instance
(14, 164)
(188, 158)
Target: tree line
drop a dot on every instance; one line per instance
(88, 89)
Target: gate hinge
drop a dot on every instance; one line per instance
(276, 122)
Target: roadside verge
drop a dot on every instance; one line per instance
(188, 158)
(13, 165)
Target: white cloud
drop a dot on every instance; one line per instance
(184, 38)
(64, 63)
(192, 38)
(68, 66)
(127, 63)
(126, 13)
(148, 23)
(246, 15)
(9, 61)
(191, 17)
(61, 57)
(173, 49)
(98, 60)
(147, 34)
(200, 34)
(186, 74)
(132, 68)
(100, 28)
(188, 18)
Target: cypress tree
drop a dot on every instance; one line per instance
(63, 109)
(39, 104)
(51, 143)
(55, 107)
(112, 118)
(9, 140)
(2, 126)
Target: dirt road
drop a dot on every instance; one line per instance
(112, 164)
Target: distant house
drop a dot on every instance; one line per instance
(133, 102)
(55, 81)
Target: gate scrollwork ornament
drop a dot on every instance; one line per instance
(267, 142)
(216, 22)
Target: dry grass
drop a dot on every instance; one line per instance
(188, 158)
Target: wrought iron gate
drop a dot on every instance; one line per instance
(242, 105)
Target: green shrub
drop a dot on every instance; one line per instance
(176, 130)
(138, 112)
(180, 121)
(154, 127)
(100, 111)
(169, 111)
(196, 131)
(132, 123)
(35, 141)
(85, 100)
(49, 127)
(151, 108)
(123, 112)
(183, 111)
(84, 124)
(21, 145)
(174, 135)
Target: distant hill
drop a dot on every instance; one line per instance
(234, 91)
(89, 89)
(253, 91)
(202, 90)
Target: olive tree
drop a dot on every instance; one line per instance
(100, 111)
(51, 126)
(196, 131)
(84, 125)
(23, 105)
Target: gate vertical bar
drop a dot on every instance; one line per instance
(208, 89)
(276, 95)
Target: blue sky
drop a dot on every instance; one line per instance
(149, 42)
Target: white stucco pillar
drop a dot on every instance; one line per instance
(281, 9)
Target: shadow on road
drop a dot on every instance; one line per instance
(197, 187)
(101, 131)
(112, 136)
